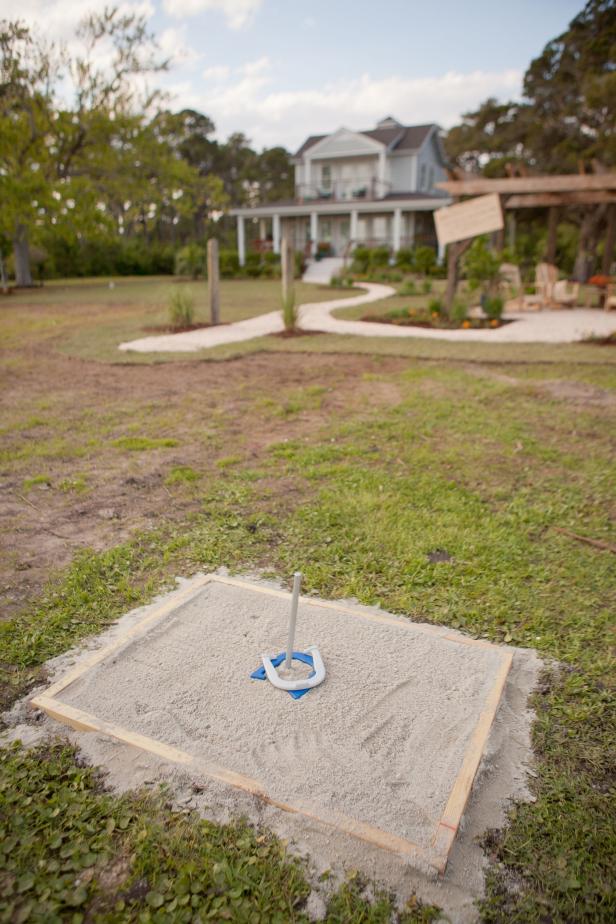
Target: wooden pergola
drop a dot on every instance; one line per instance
(531, 192)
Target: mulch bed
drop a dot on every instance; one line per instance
(169, 329)
(473, 323)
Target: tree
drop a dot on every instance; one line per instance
(49, 153)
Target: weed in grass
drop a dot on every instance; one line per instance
(182, 474)
(143, 443)
(77, 484)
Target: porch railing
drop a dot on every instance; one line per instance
(369, 187)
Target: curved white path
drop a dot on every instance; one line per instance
(566, 326)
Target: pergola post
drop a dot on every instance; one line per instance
(550, 249)
(610, 241)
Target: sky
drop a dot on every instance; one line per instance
(279, 70)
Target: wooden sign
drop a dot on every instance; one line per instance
(468, 219)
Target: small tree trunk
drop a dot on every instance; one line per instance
(454, 252)
(21, 250)
(213, 280)
(610, 241)
(3, 279)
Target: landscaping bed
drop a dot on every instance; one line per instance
(409, 317)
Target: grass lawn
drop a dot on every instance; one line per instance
(354, 461)
(90, 317)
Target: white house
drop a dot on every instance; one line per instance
(372, 187)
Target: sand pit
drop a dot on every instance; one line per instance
(385, 750)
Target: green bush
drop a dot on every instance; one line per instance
(408, 288)
(405, 259)
(424, 260)
(229, 264)
(190, 261)
(426, 287)
(361, 260)
(117, 257)
(435, 306)
(493, 306)
(482, 266)
(379, 257)
(252, 266)
(181, 308)
(459, 311)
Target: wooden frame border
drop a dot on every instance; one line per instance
(446, 828)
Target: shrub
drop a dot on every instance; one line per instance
(425, 260)
(405, 259)
(408, 288)
(436, 306)
(229, 263)
(482, 266)
(426, 287)
(361, 260)
(181, 308)
(459, 311)
(190, 261)
(252, 266)
(493, 306)
(379, 257)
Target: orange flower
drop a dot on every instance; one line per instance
(466, 324)
(494, 323)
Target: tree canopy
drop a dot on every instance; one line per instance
(88, 152)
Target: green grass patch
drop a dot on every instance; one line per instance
(144, 443)
(182, 474)
(36, 481)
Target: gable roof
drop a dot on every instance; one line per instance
(400, 138)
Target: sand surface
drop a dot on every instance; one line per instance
(382, 740)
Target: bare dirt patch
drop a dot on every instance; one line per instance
(67, 415)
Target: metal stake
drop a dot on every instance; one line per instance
(297, 580)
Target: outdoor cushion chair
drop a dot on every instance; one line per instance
(565, 293)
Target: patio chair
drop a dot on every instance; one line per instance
(565, 293)
(511, 282)
(546, 277)
(610, 298)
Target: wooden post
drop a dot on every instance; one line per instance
(550, 251)
(288, 283)
(213, 280)
(454, 252)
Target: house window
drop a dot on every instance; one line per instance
(422, 177)
(326, 177)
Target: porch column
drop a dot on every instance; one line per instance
(314, 232)
(354, 230)
(411, 228)
(262, 231)
(397, 229)
(276, 233)
(382, 168)
(241, 240)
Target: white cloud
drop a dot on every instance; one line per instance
(217, 72)
(58, 19)
(175, 46)
(254, 68)
(248, 102)
(238, 13)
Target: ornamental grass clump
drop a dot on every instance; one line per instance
(181, 309)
